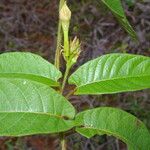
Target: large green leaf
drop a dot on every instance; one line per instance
(115, 122)
(112, 73)
(28, 66)
(29, 107)
(117, 9)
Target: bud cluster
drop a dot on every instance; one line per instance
(75, 50)
(71, 50)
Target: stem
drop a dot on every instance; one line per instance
(70, 93)
(57, 64)
(63, 142)
(58, 48)
(59, 39)
(66, 43)
(65, 78)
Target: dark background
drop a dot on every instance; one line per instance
(31, 25)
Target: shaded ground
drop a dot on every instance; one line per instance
(27, 25)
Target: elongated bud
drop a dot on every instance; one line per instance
(65, 16)
(65, 13)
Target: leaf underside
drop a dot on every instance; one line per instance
(117, 10)
(26, 65)
(29, 107)
(114, 122)
(112, 73)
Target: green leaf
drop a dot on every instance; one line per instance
(89, 132)
(115, 122)
(29, 107)
(112, 73)
(116, 7)
(28, 66)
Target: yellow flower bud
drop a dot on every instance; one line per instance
(65, 13)
(65, 16)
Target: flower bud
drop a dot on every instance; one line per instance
(65, 16)
(74, 45)
(75, 50)
(65, 13)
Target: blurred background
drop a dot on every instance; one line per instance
(31, 25)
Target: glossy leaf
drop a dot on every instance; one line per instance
(28, 66)
(29, 107)
(114, 122)
(112, 73)
(117, 9)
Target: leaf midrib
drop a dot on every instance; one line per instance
(114, 11)
(111, 79)
(30, 77)
(40, 113)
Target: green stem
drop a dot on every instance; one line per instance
(59, 39)
(66, 43)
(58, 48)
(65, 78)
(57, 64)
(70, 93)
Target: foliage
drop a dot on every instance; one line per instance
(110, 74)
(30, 105)
(114, 122)
(116, 8)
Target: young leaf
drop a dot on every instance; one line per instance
(117, 9)
(28, 66)
(29, 107)
(115, 122)
(112, 73)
